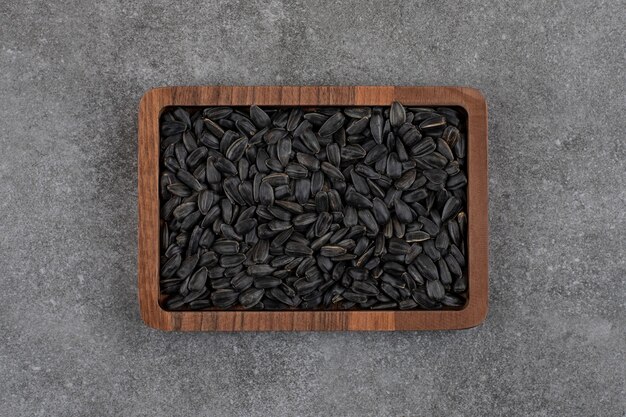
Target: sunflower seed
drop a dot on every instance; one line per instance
(415, 195)
(380, 210)
(198, 280)
(394, 167)
(357, 112)
(397, 115)
(431, 250)
(331, 171)
(303, 286)
(367, 219)
(437, 176)
(298, 249)
(217, 113)
(357, 125)
(189, 180)
(403, 211)
(224, 298)
(417, 236)
(302, 190)
(322, 224)
(225, 166)
(357, 200)
(426, 267)
(398, 246)
(266, 194)
(187, 266)
(376, 125)
(334, 201)
(184, 210)
(442, 241)
(171, 266)
(406, 180)
(225, 246)
(332, 250)
(432, 122)
(332, 124)
(435, 290)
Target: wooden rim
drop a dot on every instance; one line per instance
(155, 100)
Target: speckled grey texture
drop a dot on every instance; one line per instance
(71, 76)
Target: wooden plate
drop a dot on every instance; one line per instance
(150, 108)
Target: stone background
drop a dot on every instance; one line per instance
(71, 76)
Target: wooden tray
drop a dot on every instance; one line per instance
(153, 102)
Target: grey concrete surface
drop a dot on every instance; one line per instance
(71, 76)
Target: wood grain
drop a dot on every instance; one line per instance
(150, 108)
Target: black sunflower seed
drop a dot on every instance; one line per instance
(334, 200)
(435, 290)
(225, 246)
(302, 190)
(424, 147)
(205, 201)
(443, 240)
(259, 117)
(367, 219)
(431, 250)
(398, 246)
(406, 180)
(332, 171)
(416, 236)
(403, 211)
(197, 156)
(266, 281)
(394, 167)
(357, 125)
(304, 219)
(237, 149)
(171, 266)
(198, 280)
(376, 125)
(432, 122)
(217, 113)
(298, 249)
(296, 171)
(322, 224)
(224, 298)
(189, 180)
(332, 124)
(357, 200)
(437, 176)
(397, 114)
(266, 194)
(332, 250)
(426, 267)
(225, 166)
(241, 281)
(187, 266)
(333, 154)
(415, 195)
(357, 112)
(380, 211)
(283, 150)
(308, 161)
(352, 152)
(311, 141)
(444, 273)
(363, 287)
(453, 300)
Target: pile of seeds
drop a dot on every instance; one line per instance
(292, 208)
